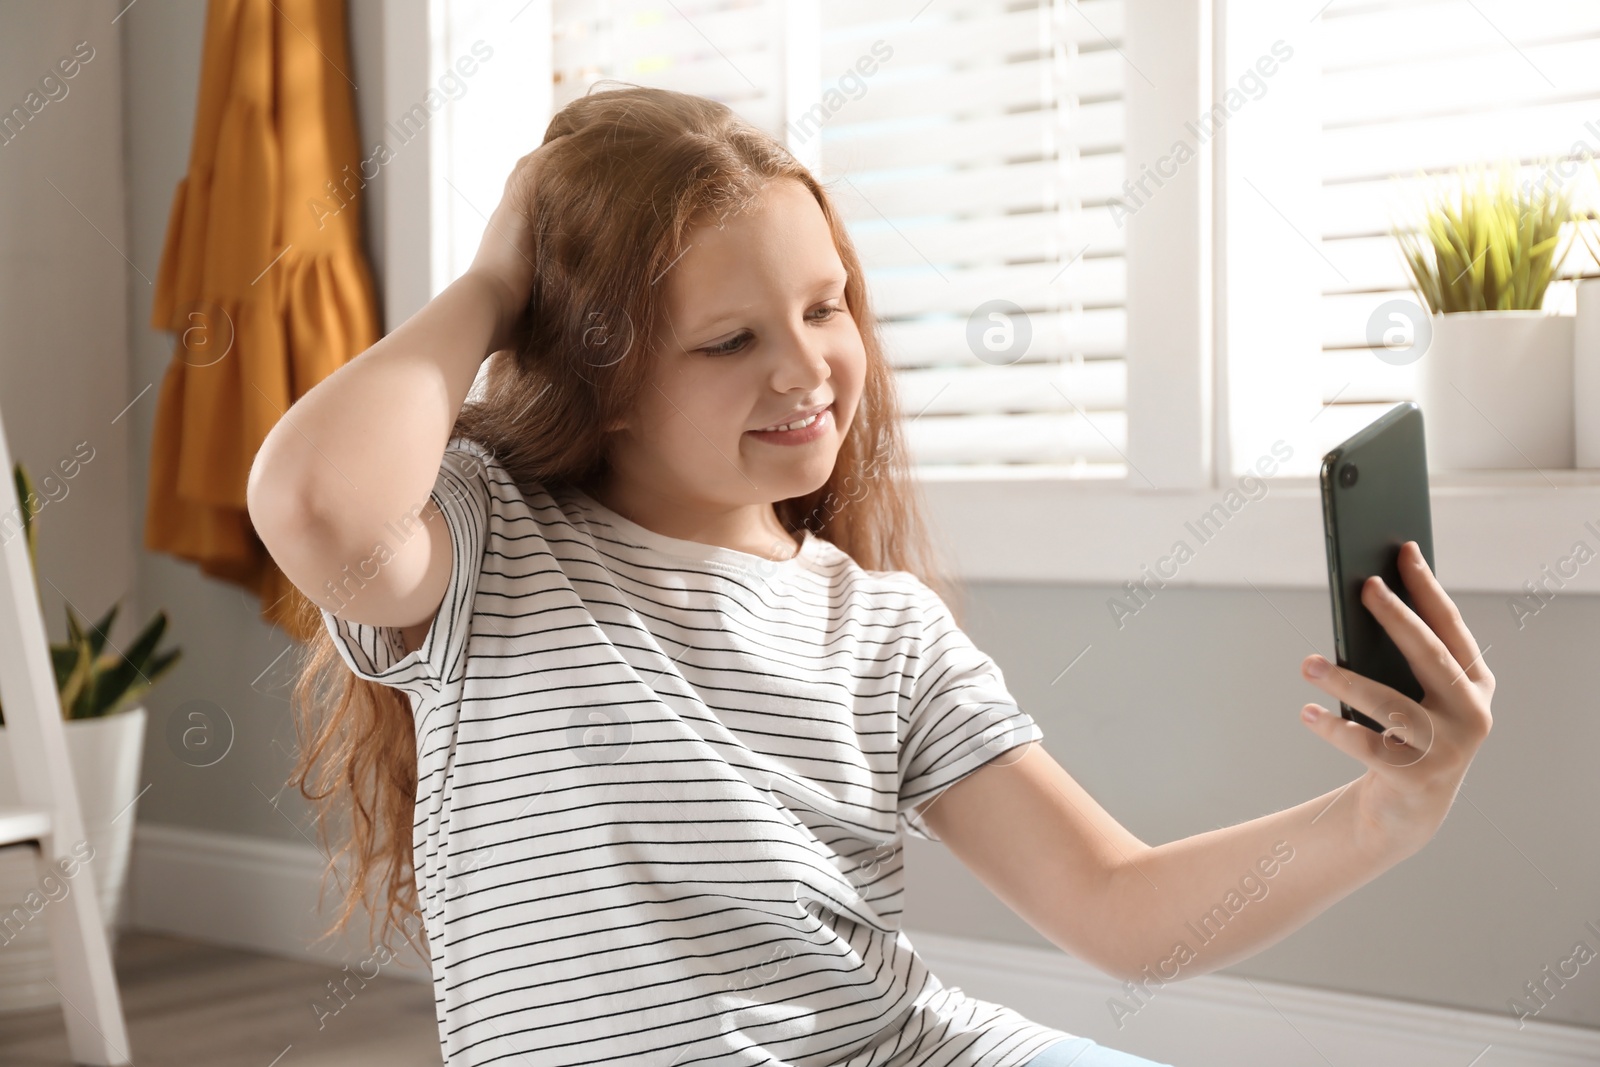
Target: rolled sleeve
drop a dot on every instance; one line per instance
(962, 715)
(377, 653)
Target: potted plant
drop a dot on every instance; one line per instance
(105, 743)
(1495, 382)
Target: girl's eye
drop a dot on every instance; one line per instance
(733, 345)
(726, 347)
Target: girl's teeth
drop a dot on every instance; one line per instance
(794, 425)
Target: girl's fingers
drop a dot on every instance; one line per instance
(1357, 690)
(1431, 661)
(1408, 727)
(1440, 612)
(1351, 738)
(1401, 744)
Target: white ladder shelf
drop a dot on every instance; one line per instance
(49, 818)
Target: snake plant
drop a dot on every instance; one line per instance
(91, 682)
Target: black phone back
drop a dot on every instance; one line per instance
(1374, 500)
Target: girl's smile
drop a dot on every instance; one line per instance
(799, 430)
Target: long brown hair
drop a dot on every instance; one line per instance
(634, 171)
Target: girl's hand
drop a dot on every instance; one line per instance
(1416, 765)
(505, 255)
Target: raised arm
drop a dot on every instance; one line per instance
(1155, 914)
(363, 447)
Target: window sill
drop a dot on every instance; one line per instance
(1493, 531)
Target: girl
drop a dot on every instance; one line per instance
(636, 728)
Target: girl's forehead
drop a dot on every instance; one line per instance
(779, 247)
(788, 244)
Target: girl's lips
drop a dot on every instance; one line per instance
(819, 426)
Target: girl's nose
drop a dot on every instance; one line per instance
(802, 362)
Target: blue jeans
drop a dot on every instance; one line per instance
(1082, 1052)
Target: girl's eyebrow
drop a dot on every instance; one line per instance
(828, 282)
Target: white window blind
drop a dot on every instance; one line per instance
(728, 50)
(979, 165)
(976, 162)
(1411, 87)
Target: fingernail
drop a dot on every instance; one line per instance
(1310, 712)
(1317, 667)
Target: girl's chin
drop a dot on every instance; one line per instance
(798, 463)
(786, 479)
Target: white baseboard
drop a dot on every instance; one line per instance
(255, 894)
(1218, 1020)
(252, 893)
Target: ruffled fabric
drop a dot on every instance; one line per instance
(263, 279)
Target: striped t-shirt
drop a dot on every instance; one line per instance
(660, 786)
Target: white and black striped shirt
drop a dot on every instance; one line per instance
(660, 787)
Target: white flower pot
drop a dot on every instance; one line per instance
(1495, 388)
(105, 754)
(1586, 375)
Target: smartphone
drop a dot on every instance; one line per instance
(1374, 500)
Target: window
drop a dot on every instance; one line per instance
(974, 148)
(992, 150)
(1427, 87)
(977, 165)
(729, 50)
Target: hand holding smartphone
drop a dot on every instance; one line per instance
(1374, 500)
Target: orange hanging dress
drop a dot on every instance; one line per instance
(263, 278)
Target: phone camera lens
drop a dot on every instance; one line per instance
(1348, 475)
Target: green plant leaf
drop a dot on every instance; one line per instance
(78, 679)
(97, 635)
(64, 658)
(115, 682)
(89, 682)
(153, 671)
(1483, 243)
(75, 634)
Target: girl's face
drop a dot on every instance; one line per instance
(758, 335)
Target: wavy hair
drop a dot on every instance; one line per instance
(632, 172)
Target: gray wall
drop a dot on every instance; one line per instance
(1188, 720)
(65, 291)
(1183, 722)
(231, 658)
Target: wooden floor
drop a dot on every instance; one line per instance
(189, 1003)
